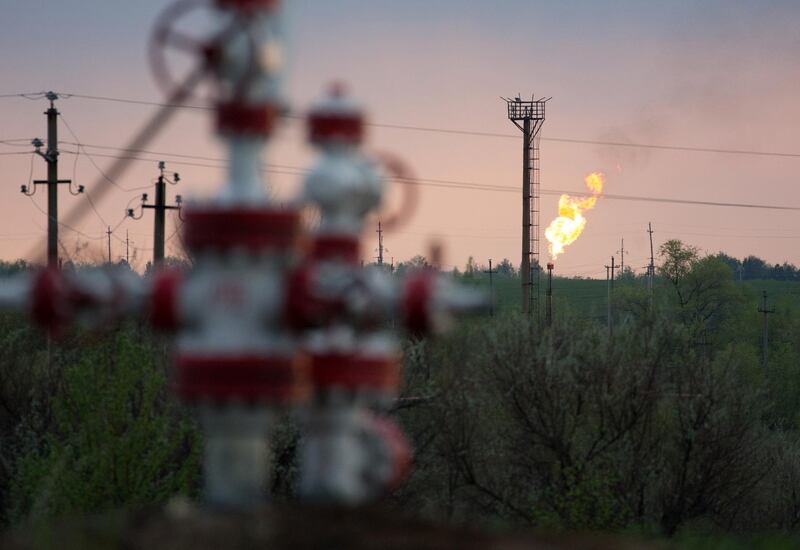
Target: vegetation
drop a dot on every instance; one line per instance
(89, 424)
(669, 426)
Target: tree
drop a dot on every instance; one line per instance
(677, 260)
(754, 268)
(505, 267)
(471, 268)
(577, 431)
(730, 261)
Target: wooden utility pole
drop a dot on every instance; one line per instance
(651, 269)
(160, 209)
(549, 305)
(491, 272)
(608, 299)
(127, 244)
(765, 336)
(52, 182)
(380, 244)
(108, 233)
(622, 252)
(610, 284)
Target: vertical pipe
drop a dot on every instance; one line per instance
(525, 264)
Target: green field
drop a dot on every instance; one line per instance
(588, 298)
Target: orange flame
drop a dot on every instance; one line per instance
(569, 224)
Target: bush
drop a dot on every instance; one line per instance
(565, 428)
(117, 438)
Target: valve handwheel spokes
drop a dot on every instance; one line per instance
(206, 50)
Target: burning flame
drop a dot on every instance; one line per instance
(569, 224)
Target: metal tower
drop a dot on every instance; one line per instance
(528, 116)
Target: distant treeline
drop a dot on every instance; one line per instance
(753, 267)
(747, 269)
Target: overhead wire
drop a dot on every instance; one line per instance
(477, 133)
(15, 142)
(86, 153)
(28, 95)
(474, 186)
(64, 225)
(297, 171)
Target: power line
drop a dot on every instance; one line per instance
(81, 148)
(29, 95)
(137, 101)
(65, 226)
(299, 171)
(430, 129)
(15, 142)
(162, 154)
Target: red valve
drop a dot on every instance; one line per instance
(47, 300)
(416, 301)
(164, 299)
(247, 377)
(397, 449)
(250, 228)
(248, 5)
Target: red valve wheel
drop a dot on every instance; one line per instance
(166, 37)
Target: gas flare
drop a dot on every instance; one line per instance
(569, 224)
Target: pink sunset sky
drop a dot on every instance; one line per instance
(709, 74)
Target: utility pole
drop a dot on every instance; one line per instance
(52, 182)
(549, 305)
(108, 233)
(622, 252)
(610, 284)
(160, 208)
(528, 116)
(380, 244)
(608, 300)
(651, 269)
(127, 243)
(613, 268)
(765, 337)
(491, 272)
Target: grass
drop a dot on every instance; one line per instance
(589, 297)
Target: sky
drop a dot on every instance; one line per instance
(719, 74)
